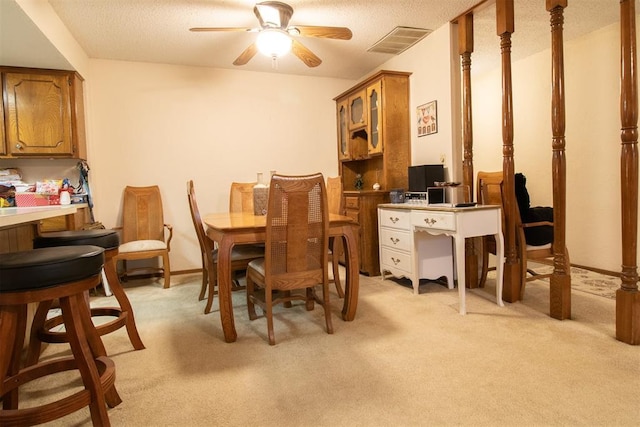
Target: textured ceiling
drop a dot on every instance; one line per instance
(158, 30)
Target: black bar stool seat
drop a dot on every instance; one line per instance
(107, 239)
(64, 273)
(123, 315)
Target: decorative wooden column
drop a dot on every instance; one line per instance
(560, 287)
(505, 27)
(465, 49)
(628, 297)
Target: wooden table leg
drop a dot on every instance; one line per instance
(352, 282)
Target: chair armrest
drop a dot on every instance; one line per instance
(170, 228)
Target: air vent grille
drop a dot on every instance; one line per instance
(399, 40)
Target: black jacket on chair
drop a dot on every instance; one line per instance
(535, 236)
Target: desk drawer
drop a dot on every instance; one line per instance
(354, 215)
(351, 202)
(396, 260)
(395, 218)
(435, 220)
(399, 240)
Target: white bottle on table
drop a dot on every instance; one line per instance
(260, 194)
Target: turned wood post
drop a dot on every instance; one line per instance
(628, 297)
(505, 27)
(465, 49)
(560, 286)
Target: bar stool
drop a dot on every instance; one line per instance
(41, 328)
(66, 274)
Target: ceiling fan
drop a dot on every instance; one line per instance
(274, 17)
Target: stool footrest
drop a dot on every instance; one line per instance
(60, 408)
(45, 334)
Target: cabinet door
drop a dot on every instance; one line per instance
(358, 110)
(67, 222)
(343, 131)
(374, 113)
(38, 111)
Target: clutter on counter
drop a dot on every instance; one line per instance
(16, 193)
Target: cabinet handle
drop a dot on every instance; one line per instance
(394, 220)
(430, 221)
(19, 146)
(393, 240)
(395, 261)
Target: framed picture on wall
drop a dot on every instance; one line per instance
(427, 118)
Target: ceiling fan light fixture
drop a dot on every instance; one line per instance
(273, 43)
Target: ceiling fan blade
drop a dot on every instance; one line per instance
(273, 14)
(309, 58)
(245, 56)
(341, 33)
(228, 29)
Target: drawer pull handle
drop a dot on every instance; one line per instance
(395, 261)
(394, 220)
(430, 221)
(394, 240)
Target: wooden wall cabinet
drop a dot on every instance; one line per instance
(378, 148)
(43, 112)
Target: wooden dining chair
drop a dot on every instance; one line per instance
(336, 206)
(490, 192)
(241, 201)
(296, 256)
(145, 235)
(241, 197)
(240, 254)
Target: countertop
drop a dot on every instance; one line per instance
(15, 216)
(444, 207)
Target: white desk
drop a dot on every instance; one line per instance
(403, 251)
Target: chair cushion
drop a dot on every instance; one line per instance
(142, 245)
(47, 267)
(257, 265)
(107, 239)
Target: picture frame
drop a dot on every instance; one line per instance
(427, 118)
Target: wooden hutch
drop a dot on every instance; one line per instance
(374, 141)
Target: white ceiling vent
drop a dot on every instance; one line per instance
(399, 40)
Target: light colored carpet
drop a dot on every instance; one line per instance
(406, 360)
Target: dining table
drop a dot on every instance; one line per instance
(227, 229)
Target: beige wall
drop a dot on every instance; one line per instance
(165, 124)
(592, 70)
(431, 65)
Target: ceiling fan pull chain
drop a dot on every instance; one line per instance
(274, 62)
